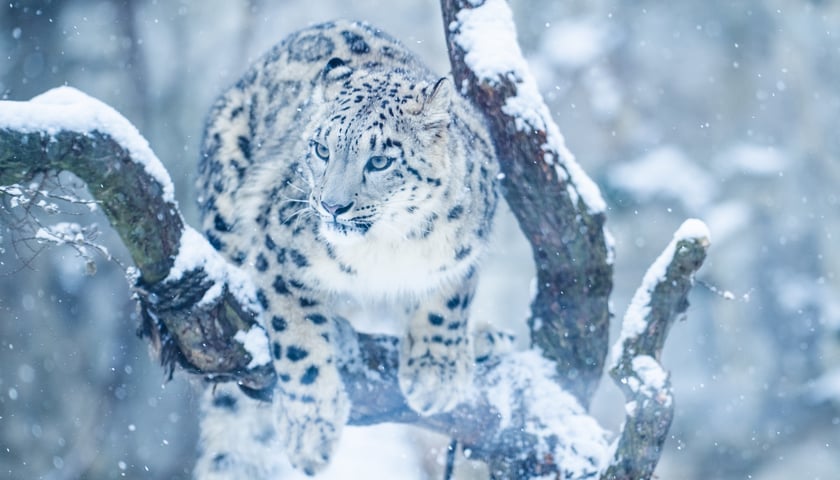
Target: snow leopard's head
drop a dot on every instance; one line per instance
(377, 157)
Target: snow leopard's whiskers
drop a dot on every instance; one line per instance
(300, 214)
(292, 200)
(296, 187)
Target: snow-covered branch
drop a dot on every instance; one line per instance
(190, 313)
(635, 367)
(518, 420)
(558, 207)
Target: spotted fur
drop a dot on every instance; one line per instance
(338, 169)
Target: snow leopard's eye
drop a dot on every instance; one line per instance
(378, 163)
(321, 151)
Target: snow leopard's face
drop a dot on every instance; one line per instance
(377, 156)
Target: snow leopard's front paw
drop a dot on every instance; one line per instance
(434, 379)
(309, 424)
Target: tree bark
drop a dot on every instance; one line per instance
(661, 300)
(196, 337)
(570, 313)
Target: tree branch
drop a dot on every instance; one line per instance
(518, 420)
(571, 248)
(67, 130)
(661, 299)
(557, 206)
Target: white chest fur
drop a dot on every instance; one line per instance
(393, 269)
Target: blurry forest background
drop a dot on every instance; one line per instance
(727, 110)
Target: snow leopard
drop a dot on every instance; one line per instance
(340, 170)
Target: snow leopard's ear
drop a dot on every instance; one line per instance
(333, 73)
(435, 109)
(336, 69)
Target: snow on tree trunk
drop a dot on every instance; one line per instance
(558, 207)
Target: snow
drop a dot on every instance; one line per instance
(68, 109)
(487, 34)
(827, 387)
(375, 452)
(650, 372)
(680, 65)
(634, 323)
(573, 44)
(728, 219)
(609, 241)
(195, 252)
(15, 194)
(651, 381)
(61, 233)
(751, 159)
(693, 229)
(665, 172)
(378, 451)
(525, 379)
(255, 342)
(12, 190)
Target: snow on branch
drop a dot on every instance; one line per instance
(518, 420)
(487, 36)
(558, 207)
(68, 109)
(66, 130)
(635, 367)
(572, 249)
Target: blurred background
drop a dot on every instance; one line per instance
(724, 110)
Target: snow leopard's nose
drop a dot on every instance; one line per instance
(336, 210)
